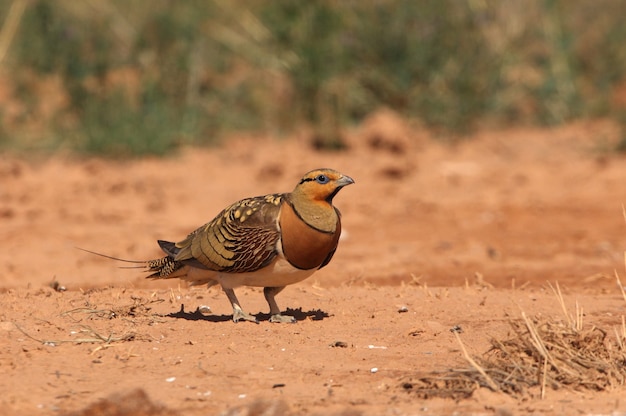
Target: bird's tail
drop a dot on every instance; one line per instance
(161, 268)
(164, 268)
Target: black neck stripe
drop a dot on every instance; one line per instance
(304, 221)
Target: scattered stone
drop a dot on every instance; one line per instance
(204, 309)
(55, 285)
(457, 329)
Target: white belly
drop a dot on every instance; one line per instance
(279, 273)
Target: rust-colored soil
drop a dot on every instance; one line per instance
(436, 237)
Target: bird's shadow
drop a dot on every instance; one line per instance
(299, 314)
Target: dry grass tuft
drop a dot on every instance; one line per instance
(139, 308)
(554, 354)
(543, 353)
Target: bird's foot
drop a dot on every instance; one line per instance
(282, 319)
(239, 315)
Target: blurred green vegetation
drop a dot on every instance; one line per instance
(126, 78)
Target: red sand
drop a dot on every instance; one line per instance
(461, 235)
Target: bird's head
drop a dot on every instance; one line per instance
(321, 185)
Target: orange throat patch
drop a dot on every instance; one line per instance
(303, 246)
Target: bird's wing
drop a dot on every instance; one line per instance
(242, 238)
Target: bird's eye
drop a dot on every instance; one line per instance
(322, 179)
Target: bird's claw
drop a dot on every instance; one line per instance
(239, 315)
(283, 319)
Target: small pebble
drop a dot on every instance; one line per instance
(457, 329)
(403, 309)
(374, 370)
(170, 379)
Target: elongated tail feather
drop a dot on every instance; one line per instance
(162, 268)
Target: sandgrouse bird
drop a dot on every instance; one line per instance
(266, 241)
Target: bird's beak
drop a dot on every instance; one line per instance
(344, 180)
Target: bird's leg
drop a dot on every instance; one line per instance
(275, 315)
(238, 313)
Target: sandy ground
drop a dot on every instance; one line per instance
(458, 236)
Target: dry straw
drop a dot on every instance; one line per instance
(543, 353)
